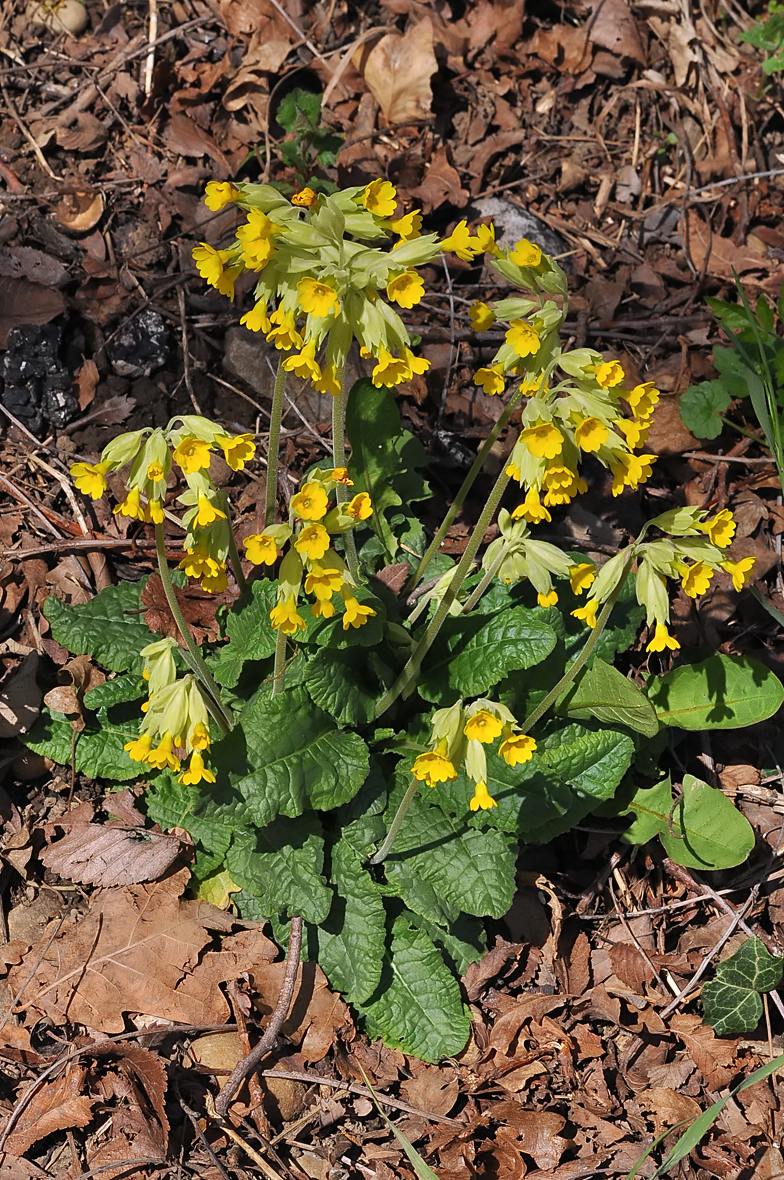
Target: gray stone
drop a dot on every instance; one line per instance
(513, 223)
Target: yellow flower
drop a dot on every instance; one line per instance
(210, 262)
(390, 370)
(218, 194)
(196, 771)
(662, 639)
(406, 289)
(490, 378)
(310, 502)
(360, 507)
(609, 374)
(587, 613)
(696, 578)
(200, 738)
(642, 399)
(317, 299)
(531, 509)
(207, 513)
(322, 608)
(304, 198)
(192, 454)
(517, 748)
(582, 576)
(523, 338)
(562, 485)
(485, 241)
(544, 441)
(255, 238)
(355, 613)
(721, 529)
(313, 541)
(257, 320)
(630, 471)
(261, 549)
(155, 472)
(285, 336)
(483, 727)
(323, 581)
(90, 478)
(434, 767)
(481, 316)
(340, 475)
(547, 599)
(459, 242)
(482, 798)
(634, 431)
(198, 563)
(237, 450)
(139, 748)
(155, 511)
(328, 381)
(305, 364)
(525, 253)
(378, 198)
(284, 617)
(740, 571)
(130, 507)
(409, 226)
(215, 583)
(163, 757)
(591, 434)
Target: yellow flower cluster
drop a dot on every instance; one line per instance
(310, 557)
(175, 717)
(516, 556)
(458, 736)
(189, 441)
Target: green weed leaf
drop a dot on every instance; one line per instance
(603, 692)
(701, 408)
(722, 692)
(110, 627)
(731, 1000)
(249, 631)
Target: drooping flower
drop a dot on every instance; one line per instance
(459, 242)
(310, 502)
(90, 478)
(662, 640)
(237, 450)
(406, 289)
(525, 253)
(629, 471)
(218, 194)
(483, 727)
(360, 507)
(544, 441)
(323, 581)
(562, 484)
(642, 399)
(257, 320)
(587, 613)
(482, 798)
(609, 374)
(139, 747)
(255, 238)
(582, 576)
(196, 772)
(481, 316)
(531, 508)
(356, 613)
(261, 549)
(215, 582)
(284, 617)
(313, 542)
(434, 767)
(379, 198)
(328, 382)
(739, 571)
(304, 364)
(591, 434)
(548, 599)
(200, 737)
(390, 370)
(417, 364)
(192, 454)
(207, 513)
(131, 506)
(490, 378)
(408, 227)
(211, 265)
(517, 748)
(163, 757)
(523, 338)
(634, 431)
(322, 608)
(284, 335)
(484, 242)
(696, 578)
(317, 299)
(721, 529)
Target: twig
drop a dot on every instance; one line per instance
(305, 40)
(19, 495)
(451, 359)
(149, 65)
(87, 543)
(267, 1042)
(17, 118)
(186, 356)
(728, 459)
(194, 1121)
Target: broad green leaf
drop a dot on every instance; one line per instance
(99, 749)
(210, 813)
(116, 692)
(419, 895)
(250, 633)
(110, 627)
(361, 820)
(731, 1000)
(722, 692)
(601, 691)
(351, 942)
(372, 426)
(474, 652)
(703, 830)
(701, 408)
(281, 865)
(299, 759)
(417, 1006)
(462, 941)
(346, 683)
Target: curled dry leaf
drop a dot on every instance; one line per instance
(397, 72)
(149, 1071)
(86, 383)
(441, 184)
(57, 1106)
(84, 134)
(80, 211)
(24, 261)
(184, 136)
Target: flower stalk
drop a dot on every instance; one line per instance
(339, 459)
(273, 452)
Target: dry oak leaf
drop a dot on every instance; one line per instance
(317, 1014)
(135, 1064)
(397, 72)
(57, 1106)
(140, 950)
(613, 27)
(23, 302)
(713, 1057)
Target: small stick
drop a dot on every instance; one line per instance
(267, 1042)
(149, 65)
(186, 356)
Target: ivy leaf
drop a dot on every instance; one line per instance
(352, 941)
(281, 865)
(417, 1006)
(603, 692)
(110, 627)
(701, 408)
(250, 633)
(731, 1000)
(299, 757)
(722, 692)
(474, 652)
(704, 830)
(346, 683)
(98, 751)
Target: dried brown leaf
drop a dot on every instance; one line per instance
(397, 72)
(184, 136)
(25, 262)
(722, 254)
(84, 133)
(435, 1089)
(86, 382)
(317, 1014)
(713, 1057)
(198, 606)
(150, 1072)
(25, 302)
(57, 1106)
(613, 27)
(441, 183)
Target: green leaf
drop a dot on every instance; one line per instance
(722, 692)
(281, 865)
(462, 941)
(99, 749)
(116, 692)
(346, 683)
(299, 758)
(352, 941)
(704, 830)
(110, 627)
(417, 1006)
(701, 408)
(474, 652)
(601, 691)
(250, 633)
(212, 814)
(731, 1001)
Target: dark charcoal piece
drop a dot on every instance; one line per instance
(38, 387)
(142, 346)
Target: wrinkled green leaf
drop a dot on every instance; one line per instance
(346, 683)
(722, 692)
(352, 941)
(603, 692)
(99, 749)
(701, 408)
(249, 631)
(731, 1000)
(110, 627)
(281, 865)
(116, 692)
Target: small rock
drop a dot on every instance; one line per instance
(513, 223)
(141, 347)
(37, 386)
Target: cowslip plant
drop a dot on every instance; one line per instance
(370, 762)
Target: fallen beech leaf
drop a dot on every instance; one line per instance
(80, 211)
(149, 1070)
(86, 383)
(24, 302)
(397, 72)
(113, 411)
(57, 1106)
(184, 136)
(441, 183)
(20, 699)
(84, 134)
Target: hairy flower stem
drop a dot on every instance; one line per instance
(466, 561)
(339, 459)
(273, 450)
(200, 669)
(459, 499)
(236, 564)
(279, 670)
(400, 815)
(479, 590)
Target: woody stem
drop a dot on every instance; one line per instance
(339, 459)
(276, 414)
